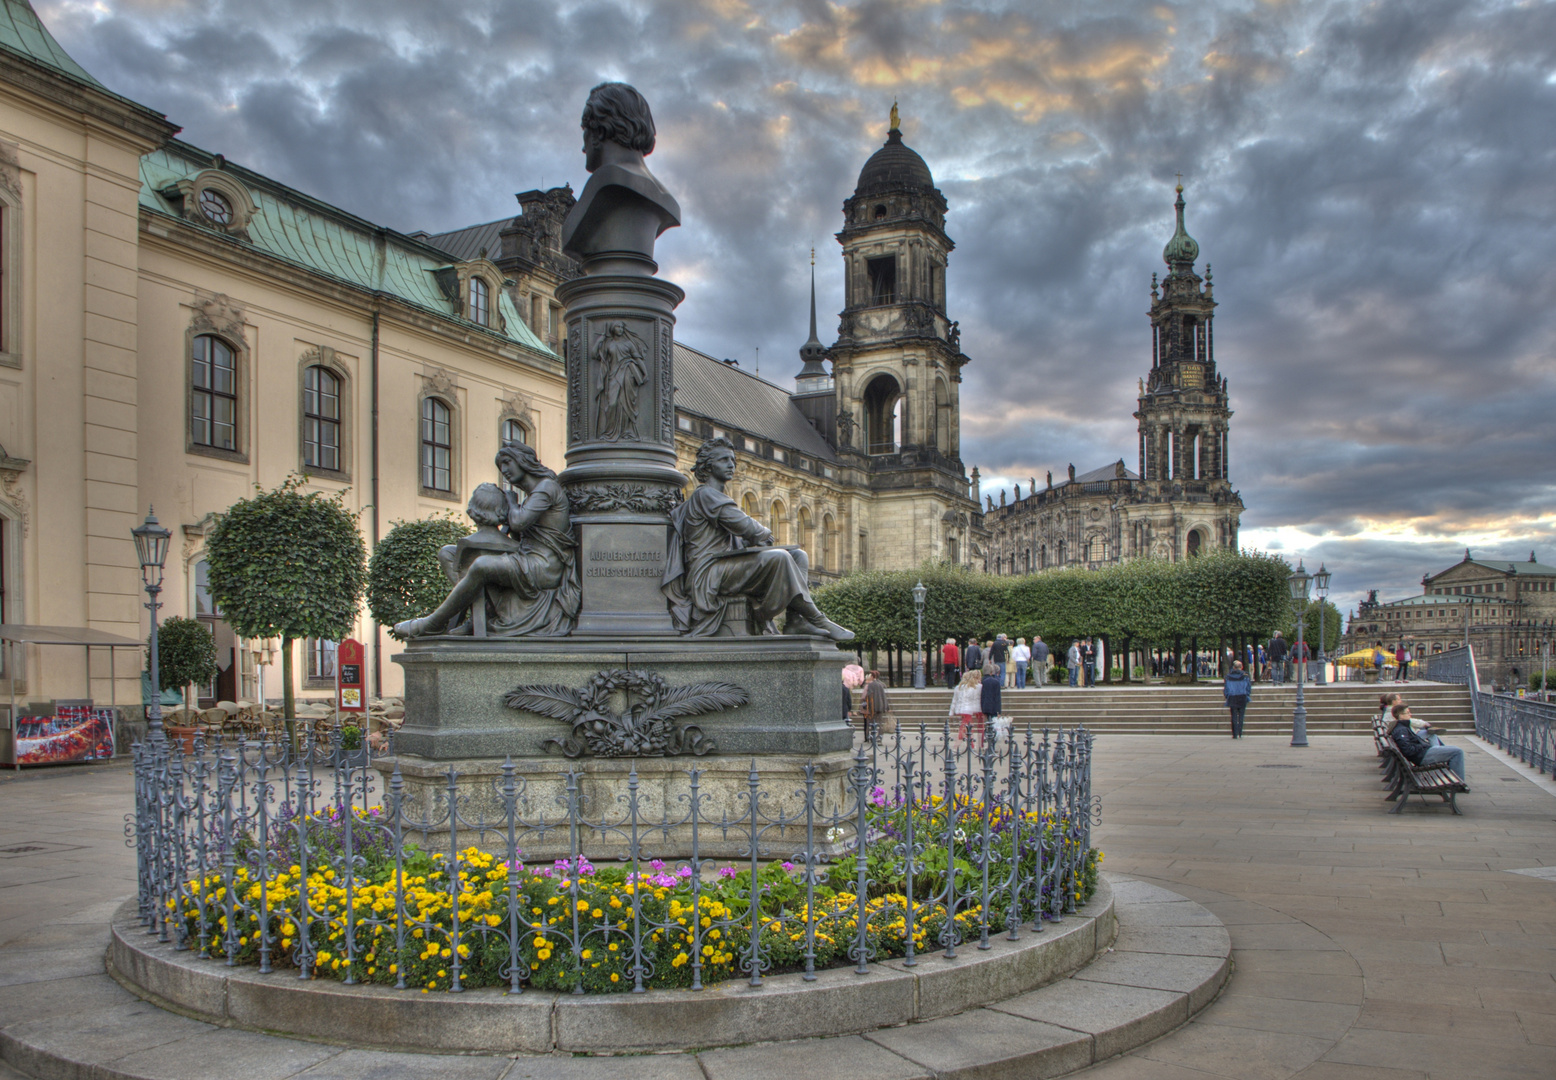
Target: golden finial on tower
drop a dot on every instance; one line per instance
(896, 121)
(813, 256)
(1180, 183)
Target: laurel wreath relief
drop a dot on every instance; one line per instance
(645, 728)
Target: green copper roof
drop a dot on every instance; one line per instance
(290, 226)
(21, 31)
(1182, 248)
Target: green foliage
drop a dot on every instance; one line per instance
(1332, 627)
(288, 564)
(1150, 601)
(404, 578)
(186, 654)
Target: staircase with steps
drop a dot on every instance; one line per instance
(1342, 709)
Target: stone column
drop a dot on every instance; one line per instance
(621, 471)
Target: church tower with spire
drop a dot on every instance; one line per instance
(897, 364)
(1183, 413)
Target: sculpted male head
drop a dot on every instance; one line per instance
(616, 113)
(709, 452)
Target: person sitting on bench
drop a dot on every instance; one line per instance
(1419, 749)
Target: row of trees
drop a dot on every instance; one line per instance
(1219, 598)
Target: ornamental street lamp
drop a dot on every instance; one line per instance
(1321, 586)
(919, 592)
(151, 541)
(1299, 582)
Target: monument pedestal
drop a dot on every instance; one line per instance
(457, 718)
(455, 689)
(590, 802)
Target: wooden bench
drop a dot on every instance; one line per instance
(1423, 781)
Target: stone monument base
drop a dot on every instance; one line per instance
(589, 802)
(455, 690)
(609, 706)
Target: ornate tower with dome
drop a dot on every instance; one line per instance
(897, 363)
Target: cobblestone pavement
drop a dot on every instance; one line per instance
(1367, 946)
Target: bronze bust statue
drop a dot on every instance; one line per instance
(718, 553)
(623, 208)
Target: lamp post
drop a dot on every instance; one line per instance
(151, 541)
(1299, 582)
(919, 592)
(1321, 586)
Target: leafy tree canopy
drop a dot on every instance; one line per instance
(186, 654)
(288, 563)
(404, 578)
(1151, 601)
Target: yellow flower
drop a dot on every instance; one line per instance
(615, 977)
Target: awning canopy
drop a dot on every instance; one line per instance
(64, 635)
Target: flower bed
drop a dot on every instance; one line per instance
(934, 874)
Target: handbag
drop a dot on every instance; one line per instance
(887, 724)
(1001, 727)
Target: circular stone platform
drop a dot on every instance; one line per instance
(1170, 959)
(489, 1020)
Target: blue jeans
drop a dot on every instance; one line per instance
(1451, 755)
(1001, 666)
(1074, 675)
(1021, 674)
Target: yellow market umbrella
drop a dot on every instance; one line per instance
(1361, 658)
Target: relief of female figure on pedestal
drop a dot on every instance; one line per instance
(522, 564)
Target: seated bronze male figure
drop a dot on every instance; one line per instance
(718, 553)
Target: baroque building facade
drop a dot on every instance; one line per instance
(1506, 610)
(1181, 501)
(175, 329)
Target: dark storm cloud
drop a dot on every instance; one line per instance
(1371, 182)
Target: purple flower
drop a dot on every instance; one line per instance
(727, 872)
(788, 867)
(658, 864)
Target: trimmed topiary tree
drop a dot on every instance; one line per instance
(288, 564)
(186, 655)
(404, 578)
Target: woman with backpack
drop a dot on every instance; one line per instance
(1237, 690)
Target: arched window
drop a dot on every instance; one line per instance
(1042, 557)
(480, 302)
(514, 432)
(808, 534)
(213, 402)
(882, 415)
(1061, 553)
(778, 522)
(321, 419)
(1097, 549)
(829, 544)
(437, 445)
(1196, 542)
(748, 506)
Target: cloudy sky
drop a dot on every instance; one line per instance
(1372, 183)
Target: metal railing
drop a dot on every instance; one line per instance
(1518, 726)
(251, 852)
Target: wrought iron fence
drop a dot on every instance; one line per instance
(1519, 726)
(251, 851)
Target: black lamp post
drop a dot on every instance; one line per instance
(151, 541)
(1321, 586)
(919, 592)
(1299, 582)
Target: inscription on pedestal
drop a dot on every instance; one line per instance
(623, 563)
